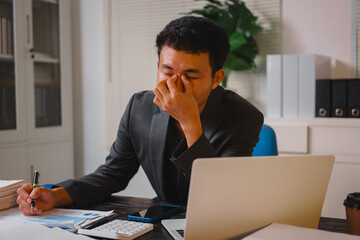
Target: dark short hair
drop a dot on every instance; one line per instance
(196, 35)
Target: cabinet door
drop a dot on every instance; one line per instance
(48, 67)
(12, 84)
(54, 161)
(13, 164)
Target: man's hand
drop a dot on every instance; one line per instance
(180, 104)
(45, 199)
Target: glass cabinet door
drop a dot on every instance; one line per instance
(8, 118)
(46, 56)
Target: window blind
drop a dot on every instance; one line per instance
(252, 84)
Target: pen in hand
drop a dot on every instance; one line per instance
(35, 184)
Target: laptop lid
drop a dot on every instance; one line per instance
(230, 196)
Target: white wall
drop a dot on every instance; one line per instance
(321, 27)
(88, 94)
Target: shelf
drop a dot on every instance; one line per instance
(6, 57)
(344, 122)
(50, 1)
(44, 58)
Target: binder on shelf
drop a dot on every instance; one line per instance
(353, 98)
(290, 86)
(339, 98)
(274, 85)
(323, 98)
(311, 68)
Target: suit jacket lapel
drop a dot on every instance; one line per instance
(157, 142)
(211, 115)
(210, 120)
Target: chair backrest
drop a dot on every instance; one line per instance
(267, 145)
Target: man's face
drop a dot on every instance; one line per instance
(195, 67)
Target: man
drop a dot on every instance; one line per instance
(187, 116)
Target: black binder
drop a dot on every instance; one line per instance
(339, 98)
(323, 98)
(353, 98)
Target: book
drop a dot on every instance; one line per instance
(3, 35)
(9, 37)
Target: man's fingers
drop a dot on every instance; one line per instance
(24, 190)
(157, 102)
(158, 96)
(171, 83)
(21, 201)
(36, 192)
(163, 88)
(27, 211)
(187, 85)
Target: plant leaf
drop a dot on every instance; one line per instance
(240, 25)
(236, 40)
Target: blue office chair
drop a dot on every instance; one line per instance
(49, 186)
(267, 145)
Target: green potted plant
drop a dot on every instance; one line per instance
(240, 26)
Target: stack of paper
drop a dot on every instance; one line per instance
(8, 193)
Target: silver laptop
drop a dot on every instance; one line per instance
(231, 196)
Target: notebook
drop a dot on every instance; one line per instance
(231, 196)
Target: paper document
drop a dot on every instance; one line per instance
(278, 231)
(57, 217)
(31, 231)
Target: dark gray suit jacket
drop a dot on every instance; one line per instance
(231, 127)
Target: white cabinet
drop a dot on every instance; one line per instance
(339, 137)
(35, 89)
(13, 163)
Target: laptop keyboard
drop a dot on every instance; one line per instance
(181, 232)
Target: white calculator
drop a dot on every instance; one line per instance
(118, 229)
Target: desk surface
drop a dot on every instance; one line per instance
(126, 205)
